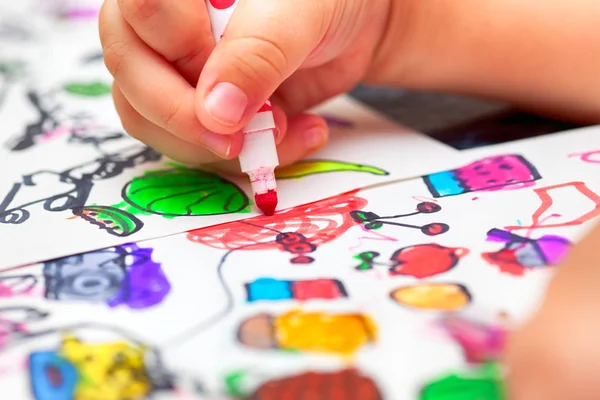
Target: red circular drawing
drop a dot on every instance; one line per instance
(319, 222)
(428, 207)
(221, 4)
(434, 229)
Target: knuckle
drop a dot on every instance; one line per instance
(114, 52)
(170, 115)
(265, 62)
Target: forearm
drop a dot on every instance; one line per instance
(541, 55)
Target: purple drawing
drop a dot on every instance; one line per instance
(122, 275)
(520, 253)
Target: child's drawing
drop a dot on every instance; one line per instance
(311, 167)
(271, 289)
(521, 253)
(419, 261)
(433, 296)
(88, 89)
(80, 128)
(372, 221)
(571, 213)
(308, 332)
(80, 179)
(184, 192)
(298, 231)
(114, 221)
(342, 384)
(124, 275)
(502, 172)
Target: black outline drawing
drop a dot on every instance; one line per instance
(373, 221)
(81, 132)
(82, 177)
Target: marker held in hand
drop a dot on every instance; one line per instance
(258, 158)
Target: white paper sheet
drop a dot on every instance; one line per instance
(186, 296)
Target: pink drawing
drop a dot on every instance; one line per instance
(503, 172)
(590, 157)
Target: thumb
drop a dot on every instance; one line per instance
(264, 43)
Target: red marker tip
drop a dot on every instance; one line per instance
(266, 202)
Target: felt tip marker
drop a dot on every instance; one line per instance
(258, 158)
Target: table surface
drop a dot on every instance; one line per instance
(461, 122)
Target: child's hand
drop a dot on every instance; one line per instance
(556, 356)
(176, 94)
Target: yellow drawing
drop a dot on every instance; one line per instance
(342, 334)
(311, 167)
(433, 296)
(108, 371)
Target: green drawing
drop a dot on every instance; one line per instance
(484, 383)
(367, 259)
(181, 191)
(304, 168)
(115, 221)
(233, 384)
(91, 89)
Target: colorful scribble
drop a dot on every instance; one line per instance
(483, 382)
(271, 289)
(419, 261)
(81, 371)
(122, 275)
(481, 342)
(521, 253)
(311, 385)
(305, 168)
(88, 89)
(503, 172)
(116, 222)
(299, 230)
(433, 296)
(372, 221)
(319, 332)
(181, 191)
(547, 202)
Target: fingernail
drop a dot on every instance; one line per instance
(314, 138)
(226, 103)
(218, 144)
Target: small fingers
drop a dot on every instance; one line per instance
(306, 133)
(171, 146)
(150, 84)
(177, 30)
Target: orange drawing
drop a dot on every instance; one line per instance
(318, 332)
(433, 296)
